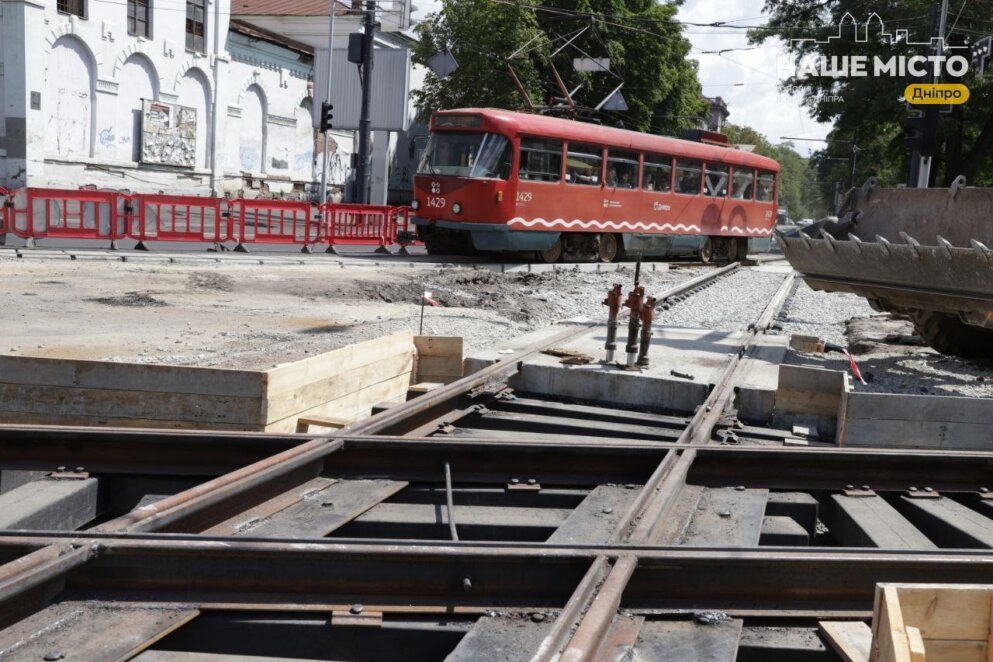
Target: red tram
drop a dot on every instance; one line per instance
(495, 180)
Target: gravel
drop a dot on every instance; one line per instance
(730, 304)
(821, 314)
(877, 342)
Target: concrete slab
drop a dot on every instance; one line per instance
(701, 353)
(513, 346)
(756, 388)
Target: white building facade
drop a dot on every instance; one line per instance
(77, 76)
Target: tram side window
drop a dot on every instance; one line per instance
(657, 174)
(622, 169)
(583, 165)
(688, 176)
(715, 184)
(766, 187)
(541, 160)
(743, 184)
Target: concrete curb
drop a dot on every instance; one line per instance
(342, 262)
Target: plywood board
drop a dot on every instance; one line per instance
(852, 640)
(806, 390)
(917, 421)
(56, 401)
(353, 406)
(73, 373)
(292, 376)
(446, 346)
(314, 394)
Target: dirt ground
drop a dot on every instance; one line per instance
(258, 316)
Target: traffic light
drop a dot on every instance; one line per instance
(326, 116)
(913, 133)
(982, 51)
(920, 132)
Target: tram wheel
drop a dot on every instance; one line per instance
(739, 250)
(611, 248)
(706, 252)
(551, 255)
(722, 249)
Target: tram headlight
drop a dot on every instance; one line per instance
(457, 208)
(415, 205)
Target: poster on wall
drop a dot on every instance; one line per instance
(168, 134)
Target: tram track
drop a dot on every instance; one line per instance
(582, 528)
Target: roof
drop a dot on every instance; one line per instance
(286, 8)
(256, 32)
(563, 129)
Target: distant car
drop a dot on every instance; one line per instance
(804, 222)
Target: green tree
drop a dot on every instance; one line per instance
(646, 46)
(869, 110)
(480, 34)
(648, 53)
(798, 179)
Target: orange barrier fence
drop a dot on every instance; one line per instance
(45, 212)
(35, 213)
(4, 201)
(178, 218)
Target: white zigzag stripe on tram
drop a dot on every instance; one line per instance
(605, 225)
(614, 225)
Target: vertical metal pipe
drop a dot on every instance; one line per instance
(363, 174)
(613, 303)
(325, 161)
(634, 302)
(647, 317)
(449, 500)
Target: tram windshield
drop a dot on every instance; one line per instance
(467, 154)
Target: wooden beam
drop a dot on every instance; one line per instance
(355, 405)
(307, 395)
(851, 640)
(917, 421)
(806, 390)
(78, 374)
(325, 367)
(304, 422)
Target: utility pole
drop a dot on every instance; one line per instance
(363, 171)
(327, 137)
(920, 168)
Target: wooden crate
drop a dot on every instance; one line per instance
(344, 383)
(932, 623)
(439, 359)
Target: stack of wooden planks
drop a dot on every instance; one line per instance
(343, 384)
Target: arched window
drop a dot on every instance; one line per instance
(69, 99)
(303, 143)
(194, 91)
(252, 140)
(137, 82)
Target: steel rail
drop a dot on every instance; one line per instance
(648, 510)
(170, 509)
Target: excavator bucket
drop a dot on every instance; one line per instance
(920, 253)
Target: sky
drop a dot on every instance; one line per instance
(747, 80)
